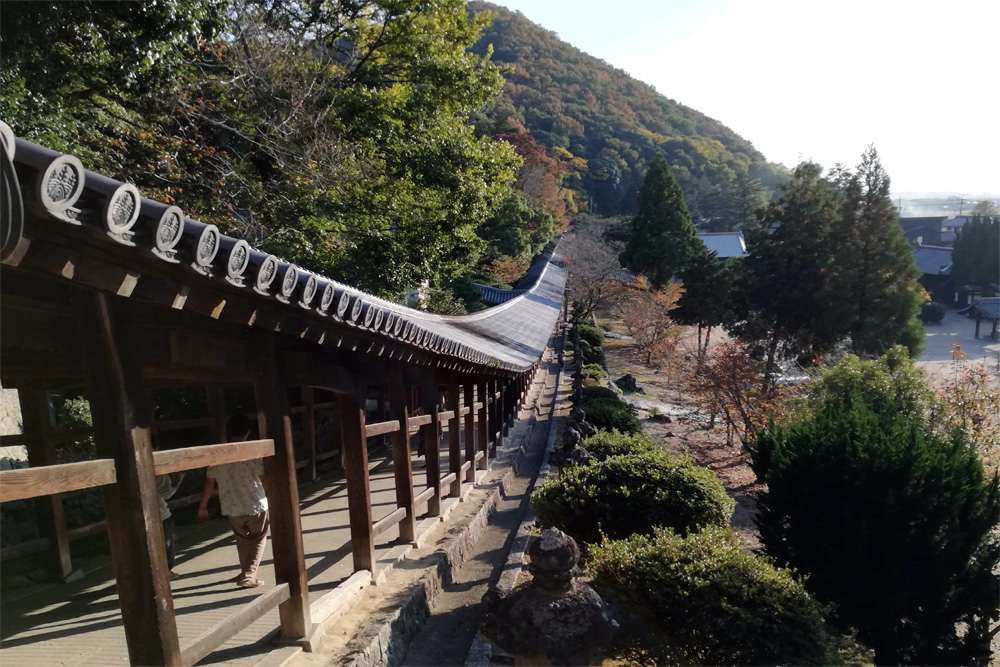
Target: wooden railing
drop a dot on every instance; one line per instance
(49, 480)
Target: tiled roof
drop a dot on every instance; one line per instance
(933, 260)
(107, 215)
(725, 244)
(988, 308)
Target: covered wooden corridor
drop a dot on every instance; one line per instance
(104, 290)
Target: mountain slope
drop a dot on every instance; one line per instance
(606, 126)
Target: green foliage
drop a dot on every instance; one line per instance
(464, 288)
(605, 127)
(708, 287)
(625, 495)
(591, 334)
(595, 393)
(891, 523)
(932, 313)
(605, 444)
(594, 371)
(976, 260)
(517, 230)
(663, 239)
(444, 302)
(710, 602)
(612, 414)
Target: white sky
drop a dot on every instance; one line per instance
(808, 80)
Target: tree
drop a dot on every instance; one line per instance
(985, 207)
(663, 238)
(645, 313)
(592, 262)
(976, 254)
(706, 302)
(890, 522)
(779, 306)
(873, 285)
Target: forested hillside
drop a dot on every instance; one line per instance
(605, 126)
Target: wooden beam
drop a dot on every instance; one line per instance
(215, 636)
(189, 458)
(430, 435)
(132, 505)
(46, 480)
(359, 497)
(372, 430)
(275, 423)
(423, 496)
(388, 521)
(402, 464)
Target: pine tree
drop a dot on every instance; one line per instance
(874, 280)
(663, 238)
(706, 302)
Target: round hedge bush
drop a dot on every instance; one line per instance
(611, 414)
(591, 334)
(624, 495)
(591, 393)
(593, 371)
(605, 444)
(712, 603)
(931, 313)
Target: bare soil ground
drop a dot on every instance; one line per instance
(689, 431)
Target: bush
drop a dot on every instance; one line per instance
(605, 444)
(594, 355)
(611, 414)
(624, 495)
(593, 393)
(931, 313)
(710, 602)
(591, 334)
(593, 371)
(890, 522)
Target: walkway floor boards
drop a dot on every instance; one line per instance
(80, 623)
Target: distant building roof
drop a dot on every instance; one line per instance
(933, 260)
(988, 308)
(725, 244)
(956, 223)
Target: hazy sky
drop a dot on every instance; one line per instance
(803, 79)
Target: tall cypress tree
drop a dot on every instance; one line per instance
(663, 237)
(977, 252)
(874, 277)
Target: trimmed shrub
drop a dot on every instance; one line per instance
(611, 414)
(593, 371)
(594, 355)
(625, 495)
(605, 444)
(931, 313)
(593, 393)
(709, 602)
(591, 334)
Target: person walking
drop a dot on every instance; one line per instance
(244, 503)
(167, 489)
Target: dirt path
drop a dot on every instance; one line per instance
(688, 431)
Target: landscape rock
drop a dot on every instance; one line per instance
(627, 382)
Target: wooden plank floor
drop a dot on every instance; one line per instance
(80, 623)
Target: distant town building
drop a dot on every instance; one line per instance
(725, 244)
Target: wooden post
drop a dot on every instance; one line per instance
(469, 391)
(309, 429)
(132, 504)
(401, 462)
(431, 437)
(359, 497)
(380, 413)
(275, 422)
(454, 435)
(484, 424)
(217, 411)
(496, 415)
(36, 413)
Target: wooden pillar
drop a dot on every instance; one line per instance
(309, 429)
(399, 409)
(275, 422)
(36, 414)
(484, 423)
(469, 396)
(132, 505)
(380, 412)
(359, 497)
(217, 411)
(496, 414)
(454, 435)
(431, 439)
(977, 325)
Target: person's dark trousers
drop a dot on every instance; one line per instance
(170, 540)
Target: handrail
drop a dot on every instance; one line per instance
(189, 458)
(388, 521)
(48, 480)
